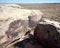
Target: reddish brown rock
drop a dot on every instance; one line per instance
(47, 35)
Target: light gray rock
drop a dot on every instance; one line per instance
(10, 14)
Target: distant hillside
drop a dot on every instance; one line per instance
(50, 10)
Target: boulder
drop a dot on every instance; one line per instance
(14, 21)
(47, 35)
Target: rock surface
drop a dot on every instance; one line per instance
(47, 35)
(13, 19)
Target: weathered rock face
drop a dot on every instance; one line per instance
(13, 19)
(47, 35)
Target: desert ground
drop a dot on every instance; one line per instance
(49, 10)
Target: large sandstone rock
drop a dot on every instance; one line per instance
(13, 14)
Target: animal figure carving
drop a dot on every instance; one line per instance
(17, 28)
